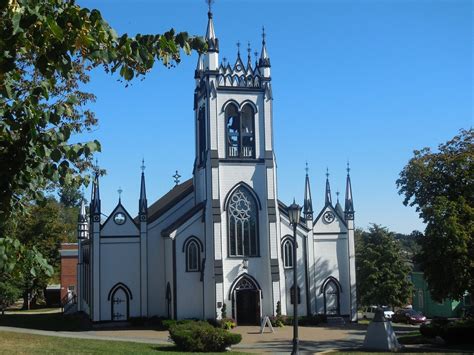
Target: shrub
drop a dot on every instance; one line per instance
(224, 311)
(278, 309)
(202, 337)
(430, 330)
(459, 332)
(228, 323)
(277, 321)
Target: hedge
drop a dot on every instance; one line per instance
(199, 336)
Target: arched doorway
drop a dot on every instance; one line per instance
(119, 297)
(246, 296)
(331, 290)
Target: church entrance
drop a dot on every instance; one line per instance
(246, 302)
(331, 298)
(248, 307)
(120, 306)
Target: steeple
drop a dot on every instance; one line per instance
(264, 58)
(349, 205)
(328, 199)
(211, 58)
(95, 200)
(308, 202)
(211, 39)
(142, 203)
(338, 206)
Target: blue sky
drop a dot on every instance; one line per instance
(365, 81)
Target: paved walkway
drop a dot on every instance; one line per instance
(312, 339)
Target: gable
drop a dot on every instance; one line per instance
(111, 228)
(323, 224)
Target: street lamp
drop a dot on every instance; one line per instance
(294, 212)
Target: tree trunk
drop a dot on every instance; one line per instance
(26, 301)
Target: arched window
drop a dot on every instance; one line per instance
(192, 256)
(240, 131)
(287, 252)
(242, 223)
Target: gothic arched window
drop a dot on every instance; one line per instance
(192, 256)
(240, 131)
(242, 223)
(287, 250)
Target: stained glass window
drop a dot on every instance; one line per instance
(242, 224)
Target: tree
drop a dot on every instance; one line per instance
(382, 271)
(48, 47)
(70, 195)
(441, 187)
(9, 294)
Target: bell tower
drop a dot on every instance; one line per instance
(234, 173)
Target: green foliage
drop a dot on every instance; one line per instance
(202, 337)
(457, 332)
(381, 269)
(48, 47)
(278, 309)
(441, 187)
(228, 323)
(224, 311)
(9, 294)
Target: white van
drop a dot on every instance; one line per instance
(369, 312)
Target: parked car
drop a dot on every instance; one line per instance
(409, 316)
(369, 312)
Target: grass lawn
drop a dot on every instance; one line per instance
(19, 343)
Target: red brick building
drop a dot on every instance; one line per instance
(69, 255)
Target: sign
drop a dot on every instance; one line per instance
(265, 322)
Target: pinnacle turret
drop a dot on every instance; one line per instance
(264, 58)
(308, 202)
(142, 203)
(349, 205)
(328, 198)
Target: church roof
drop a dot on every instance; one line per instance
(171, 198)
(181, 220)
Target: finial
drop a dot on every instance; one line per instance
(249, 50)
(143, 165)
(306, 168)
(120, 193)
(224, 60)
(263, 34)
(238, 48)
(209, 4)
(327, 173)
(337, 194)
(176, 177)
(348, 168)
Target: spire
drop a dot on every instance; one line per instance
(308, 202)
(249, 57)
(264, 58)
(328, 200)
(95, 204)
(199, 67)
(338, 206)
(211, 39)
(142, 203)
(349, 205)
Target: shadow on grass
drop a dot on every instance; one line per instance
(46, 321)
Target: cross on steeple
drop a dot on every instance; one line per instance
(143, 165)
(306, 168)
(176, 177)
(120, 193)
(263, 34)
(209, 4)
(327, 172)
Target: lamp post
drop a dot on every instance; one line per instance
(294, 211)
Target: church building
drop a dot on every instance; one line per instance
(220, 243)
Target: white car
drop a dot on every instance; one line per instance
(369, 312)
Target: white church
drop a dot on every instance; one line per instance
(222, 237)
